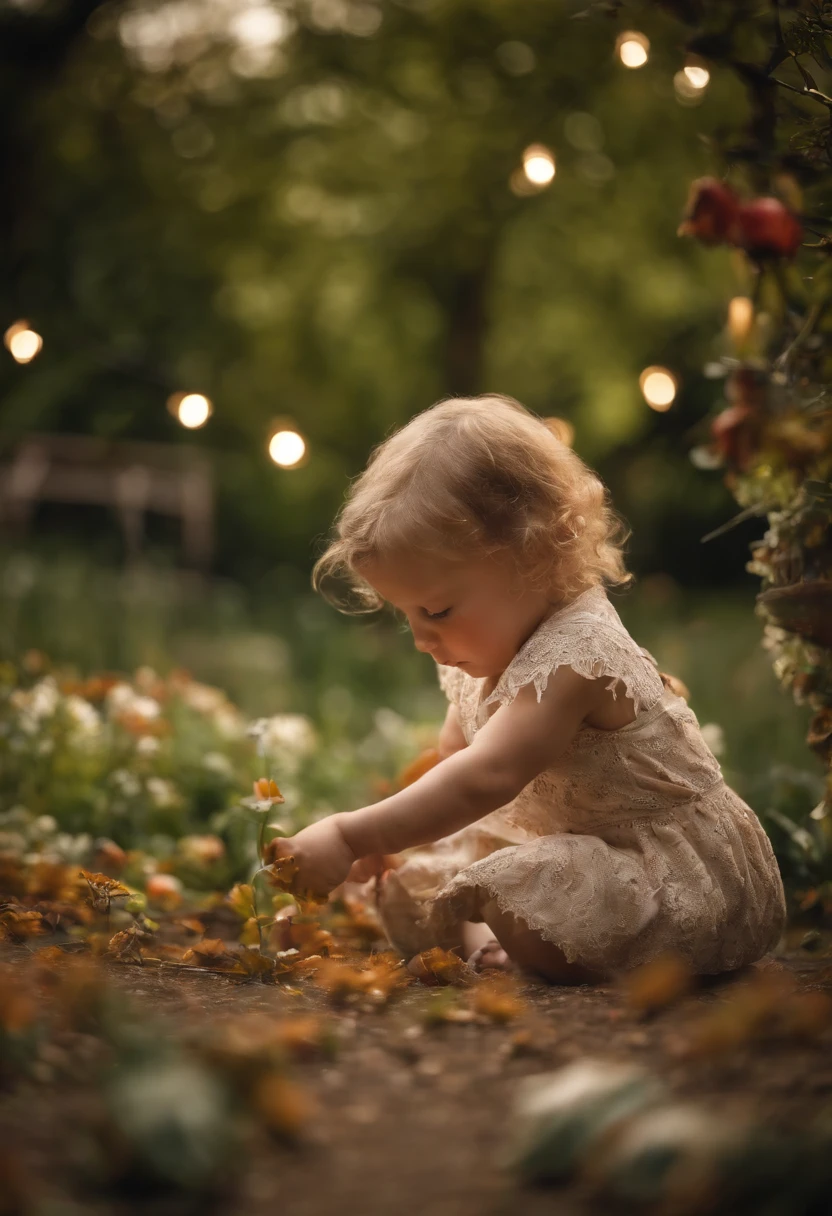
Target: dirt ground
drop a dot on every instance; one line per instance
(413, 1118)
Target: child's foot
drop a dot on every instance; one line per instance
(490, 957)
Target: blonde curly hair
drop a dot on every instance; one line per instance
(474, 477)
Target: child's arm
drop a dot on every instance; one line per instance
(519, 741)
(451, 738)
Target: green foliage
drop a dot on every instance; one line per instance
(774, 438)
(326, 229)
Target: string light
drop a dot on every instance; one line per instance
(22, 342)
(538, 165)
(632, 48)
(658, 387)
(191, 409)
(698, 76)
(287, 448)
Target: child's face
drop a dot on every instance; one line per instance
(471, 615)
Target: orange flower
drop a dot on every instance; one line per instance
(138, 724)
(265, 790)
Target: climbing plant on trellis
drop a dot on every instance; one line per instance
(770, 199)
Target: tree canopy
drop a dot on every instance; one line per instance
(316, 210)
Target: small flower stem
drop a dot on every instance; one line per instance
(256, 909)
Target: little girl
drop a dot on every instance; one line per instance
(577, 824)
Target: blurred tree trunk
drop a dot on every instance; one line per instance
(465, 304)
(34, 49)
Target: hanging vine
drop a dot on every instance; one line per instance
(771, 434)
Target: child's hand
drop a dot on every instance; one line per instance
(322, 855)
(373, 866)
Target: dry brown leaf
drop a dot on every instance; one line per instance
(51, 880)
(751, 1011)
(438, 966)
(657, 984)
(18, 923)
(282, 873)
(241, 899)
(356, 922)
(102, 890)
(211, 951)
(306, 937)
(284, 1106)
(191, 924)
(126, 944)
(497, 999)
(378, 982)
(305, 1037)
(170, 952)
(49, 956)
(18, 1008)
(253, 963)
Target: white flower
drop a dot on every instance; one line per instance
(16, 816)
(392, 727)
(145, 678)
(229, 721)
(162, 792)
(44, 825)
(44, 698)
(66, 847)
(146, 707)
(120, 699)
(714, 737)
(216, 762)
(289, 733)
(127, 782)
(203, 698)
(203, 850)
(147, 745)
(84, 717)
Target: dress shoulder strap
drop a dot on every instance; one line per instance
(589, 637)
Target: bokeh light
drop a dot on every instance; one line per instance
(740, 319)
(191, 409)
(632, 48)
(22, 342)
(658, 386)
(287, 448)
(691, 82)
(697, 75)
(538, 165)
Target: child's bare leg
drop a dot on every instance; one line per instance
(481, 948)
(531, 952)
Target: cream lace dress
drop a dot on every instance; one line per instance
(632, 844)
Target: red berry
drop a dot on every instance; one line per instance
(746, 386)
(711, 211)
(735, 433)
(766, 228)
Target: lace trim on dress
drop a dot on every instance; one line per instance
(450, 682)
(591, 646)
